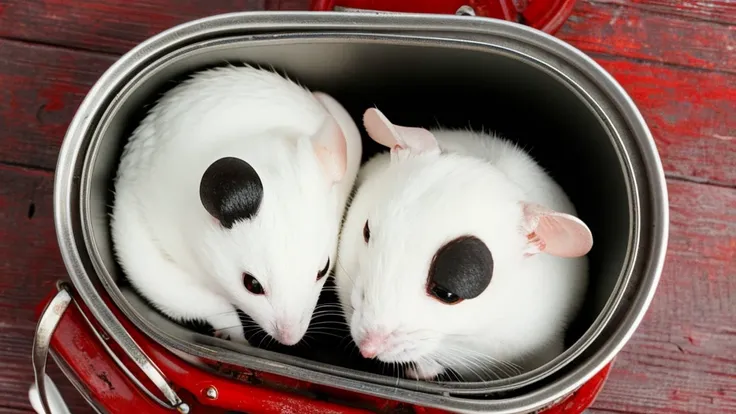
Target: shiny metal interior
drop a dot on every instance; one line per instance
(422, 70)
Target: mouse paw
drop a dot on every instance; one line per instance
(231, 335)
(424, 370)
(227, 326)
(222, 335)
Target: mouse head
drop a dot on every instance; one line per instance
(272, 227)
(432, 243)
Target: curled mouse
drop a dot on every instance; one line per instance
(229, 195)
(459, 255)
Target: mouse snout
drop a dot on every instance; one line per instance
(373, 343)
(287, 332)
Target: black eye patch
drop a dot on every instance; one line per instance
(231, 190)
(461, 268)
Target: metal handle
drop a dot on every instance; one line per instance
(45, 328)
(465, 10)
(55, 400)
(42, 342)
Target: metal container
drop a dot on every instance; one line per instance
(532, 88)
(545, 15)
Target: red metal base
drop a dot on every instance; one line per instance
(545, 15)
(238, 389)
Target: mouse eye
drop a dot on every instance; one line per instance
(442, 294)
(252, 284)
(366, 232)
(322, 273)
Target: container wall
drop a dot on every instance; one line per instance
(421, 85)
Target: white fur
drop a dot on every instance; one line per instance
(172, 250)
(416, 204)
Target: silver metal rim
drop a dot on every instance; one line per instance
(295, 38)
(69, 159)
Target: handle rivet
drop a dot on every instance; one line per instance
(465, 10)
(183, 408)
(211, 392)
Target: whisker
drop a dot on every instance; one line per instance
(322, 312)
(469, 364)
(339, 263)
(329, 334)
(509, 369)
(338, 323)
(328, 305)
(221, 314)
(263, 339)
(337, 332)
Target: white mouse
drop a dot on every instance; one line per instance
(230, 194)
(458, 255)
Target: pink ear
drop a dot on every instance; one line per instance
(331, 150)
(381, 130)
(555, 233)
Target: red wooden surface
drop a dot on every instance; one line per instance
(677, 59)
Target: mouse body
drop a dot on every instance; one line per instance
(229, 196)
(459, 255)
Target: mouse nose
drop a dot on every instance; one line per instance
(372, 344)
(286, 333)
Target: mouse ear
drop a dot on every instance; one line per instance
(555, 233)
(330, 148)
(231, 190)
(381, 130)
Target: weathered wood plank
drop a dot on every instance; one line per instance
(721, 11)
(681, 360)
(661, 30)
(112, 26)
(8, 410)
(692, 113)
(30, 264)
(42, 88)
(16, 374)
(642, 34)
(683, 357)
(28, 247)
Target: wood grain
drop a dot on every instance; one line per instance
(16, 375)
(30, 264)
(692, 113)
(681, 360)
(110, 26)
(27, 243)
(41, 89)
(638, 33)
(720, 11)
(646, 29)
(8, 410)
